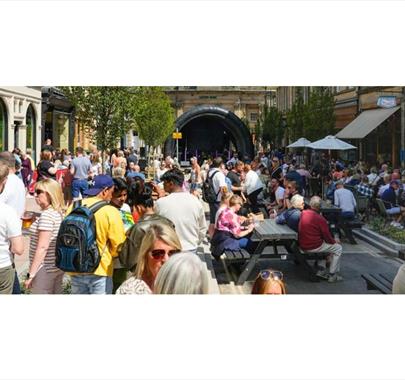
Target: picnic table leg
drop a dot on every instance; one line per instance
(249, 266)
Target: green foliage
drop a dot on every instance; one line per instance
(270, 126)
(378, 225)
(319, 116)
(108, 112)
(295, 116)
(154, 115)
(315, 119)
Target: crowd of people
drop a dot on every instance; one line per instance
(148, 232)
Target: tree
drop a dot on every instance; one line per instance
(107, 113)
(154, 116)
(295, 116)
(271, 125)
(319, 115)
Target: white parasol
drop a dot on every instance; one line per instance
(300, 143)
(330, 143)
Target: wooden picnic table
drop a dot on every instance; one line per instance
(267, 232)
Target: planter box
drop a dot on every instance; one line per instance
(386, 245)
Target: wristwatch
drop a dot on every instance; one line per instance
(28, 276)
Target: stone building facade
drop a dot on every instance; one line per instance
(20, 119)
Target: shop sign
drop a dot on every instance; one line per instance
(387, 101)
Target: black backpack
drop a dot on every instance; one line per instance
(208, 192)
(76, 244)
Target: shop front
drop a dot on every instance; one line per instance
(58, 119)
(377, 135)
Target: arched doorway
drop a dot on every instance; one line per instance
(31, 122)
(210, 130)
(3, 126)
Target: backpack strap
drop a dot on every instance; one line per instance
(210, 178)
(77, 204)
(97, 206)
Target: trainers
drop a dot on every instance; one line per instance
(334, 278)
(323, 273)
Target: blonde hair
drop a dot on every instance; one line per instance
(234, 200)
(54, 191)
(118, 172)
(226, 197)
(155, 232)
(95, 158)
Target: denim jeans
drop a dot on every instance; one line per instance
(16, 286)
(91, 284)
(78, 187)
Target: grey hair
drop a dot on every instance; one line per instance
(315, 202)
(183, 273)
(296, 201)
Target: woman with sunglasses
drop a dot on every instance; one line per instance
(269, 281)
(159, 243)
(43, 276)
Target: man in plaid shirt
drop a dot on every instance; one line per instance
(363, 188)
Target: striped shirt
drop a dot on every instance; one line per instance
(49, 220)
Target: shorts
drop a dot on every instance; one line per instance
(393, 210)
(213, 211)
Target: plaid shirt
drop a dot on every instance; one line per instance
(364, 190)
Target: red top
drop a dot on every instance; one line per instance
(313, 230)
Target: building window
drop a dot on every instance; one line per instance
(30, 122)
(253, 117)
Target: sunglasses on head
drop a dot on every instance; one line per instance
(271, 274)
(158, 254)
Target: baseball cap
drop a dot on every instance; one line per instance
(101, 182)
(136, 174)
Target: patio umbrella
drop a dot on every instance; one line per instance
(331, 143)
(300, 143)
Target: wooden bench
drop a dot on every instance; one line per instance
(378, 282)
(302, 258)
(239, 255)
(348, 225)
(383, 211)
(207, 259)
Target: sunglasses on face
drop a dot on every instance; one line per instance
(158, 254)
(38, 192)
(270, 274)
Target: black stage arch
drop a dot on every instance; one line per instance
(210, 130)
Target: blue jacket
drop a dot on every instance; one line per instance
(291, 217)
(389, 198)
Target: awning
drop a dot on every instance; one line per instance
(365, 123)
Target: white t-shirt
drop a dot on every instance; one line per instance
(252, 182)
(382, 189)
(95, 169)
(10, 226)
(14, 194)
(187, 214)
(218, 181)
(279, 194)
